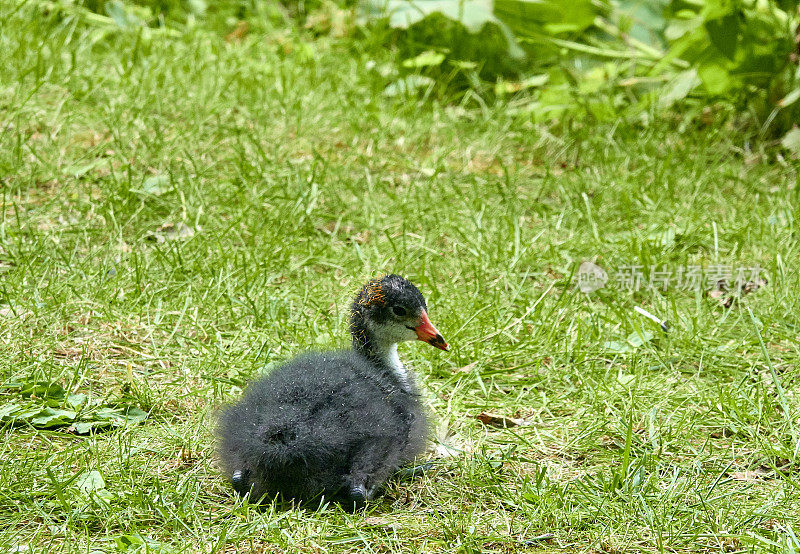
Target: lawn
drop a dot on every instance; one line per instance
(180, 213)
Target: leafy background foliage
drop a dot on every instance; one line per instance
(46, 404)
(603, 59)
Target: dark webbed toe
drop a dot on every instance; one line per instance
(357, 497)
(241, 481)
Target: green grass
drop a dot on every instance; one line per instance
(289, 179)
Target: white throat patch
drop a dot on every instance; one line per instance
(386, 349)
(393, 360)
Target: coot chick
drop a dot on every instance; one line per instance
(335, 425)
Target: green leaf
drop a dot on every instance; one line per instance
(138, 543)
(465, 65)
(679, 88)
(134, 415)
(123, 15)
(616, 347)
(681, 28)
(197, 7)
(472, 14)
(10, 385)
(535, 81)
(572, 17)
(155, 185)
(645, 18)
(81, 170)
(120, 416)
(90, 481)
(85, 427)
(408, 85)
(790, 98)
(724, 34)
(662, 237)
(791, 141)
(528, 17)
(44, 390)
(27, 412)
(625, 379)
(77, 400)
(788, 5)
(9, 410)
(715, 77)
(632, 342)
(51, 417)
(638, 339)
(125, 542)
(508, 87)
(426, 59)
(715, 9)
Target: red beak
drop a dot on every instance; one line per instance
(428, 333)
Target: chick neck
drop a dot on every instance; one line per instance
(382, 353)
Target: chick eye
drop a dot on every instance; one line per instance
(399, 311)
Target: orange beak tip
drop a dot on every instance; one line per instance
(438, 342)
(426, 332)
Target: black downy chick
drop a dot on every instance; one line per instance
(335, 424)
